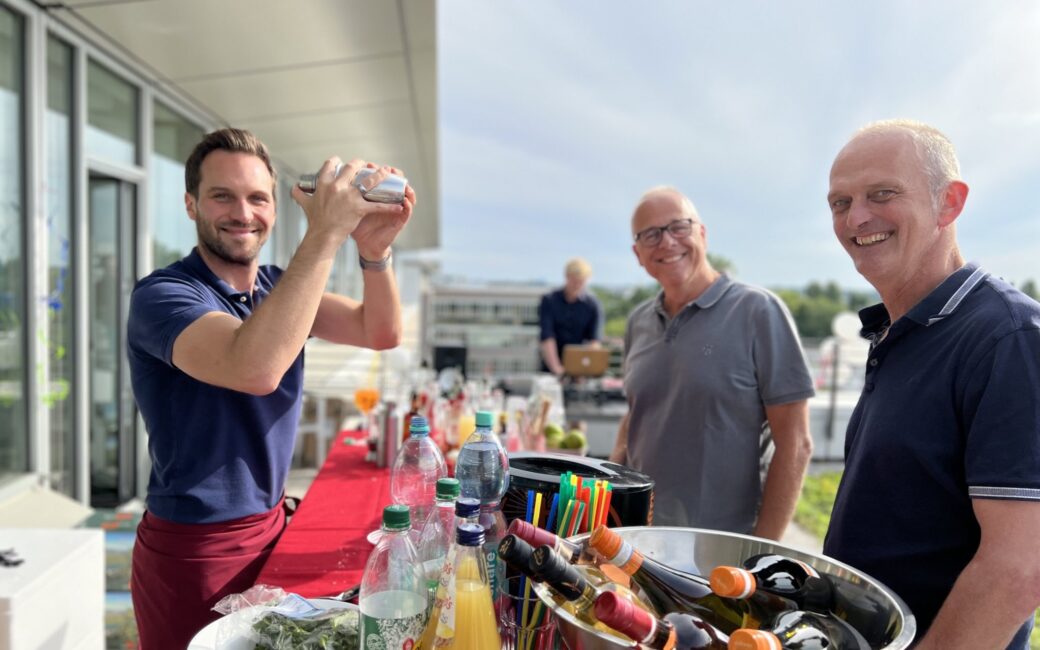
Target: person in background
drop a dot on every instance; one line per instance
(940, 497)
(215, 345)
(569, 315)
(716, 382)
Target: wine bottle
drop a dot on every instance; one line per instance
(535, 536)
(675, 631)
(760, 606)
(573, 591)
(815, 592)
(667, 589)
(777, 574)
(799, 630)
(516, 553)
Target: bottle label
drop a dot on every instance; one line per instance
(491, 554)
(395, 622)
(627, 558)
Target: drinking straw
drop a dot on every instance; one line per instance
(597, 504)
(579, 509)
(550, 520)
(606, 505)
(596, 490)
(532, 517)
(524, 586)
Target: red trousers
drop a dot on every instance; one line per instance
(181, 570)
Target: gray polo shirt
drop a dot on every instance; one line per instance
(697, 386)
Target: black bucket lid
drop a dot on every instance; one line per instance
(547, 468)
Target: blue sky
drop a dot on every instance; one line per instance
(556, 116)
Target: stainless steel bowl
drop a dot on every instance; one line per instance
(697, 550)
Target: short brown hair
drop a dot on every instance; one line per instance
(227, 139)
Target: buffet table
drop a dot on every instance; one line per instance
(324, 548)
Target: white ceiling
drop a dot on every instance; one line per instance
(312, 78)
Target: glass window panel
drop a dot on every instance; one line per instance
(111, 116)
(174, 235)
(14, 437)
(55, 393)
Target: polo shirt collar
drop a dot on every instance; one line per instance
(943, 301)
(708, 297)
(198, 267)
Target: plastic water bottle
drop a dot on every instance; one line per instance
(435, 537)
(483, 467)
(483, 472)
(414, 474)
(393, 589)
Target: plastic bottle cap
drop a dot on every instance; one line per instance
(485, 419)
(447, 488)
(396, 517)
(623, 615)
(418, 426)
(467, 507)
(469, 535)
(605, 541)
(731, 582)
(754, 640)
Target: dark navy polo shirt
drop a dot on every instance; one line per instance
(217, 454)
(950, 412)
(569, 322)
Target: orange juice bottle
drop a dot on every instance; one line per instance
(463, 617)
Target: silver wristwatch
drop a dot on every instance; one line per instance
(379, 265)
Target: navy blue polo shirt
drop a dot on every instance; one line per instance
(950, 412)
(217, 454)
(569, 322)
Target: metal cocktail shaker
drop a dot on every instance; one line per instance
(391, 190)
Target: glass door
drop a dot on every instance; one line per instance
(112, 215)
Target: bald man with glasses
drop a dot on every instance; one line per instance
(716, 382)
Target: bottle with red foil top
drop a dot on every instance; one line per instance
(799, 630)
(673, 632)
(665, 588)
(535, 536)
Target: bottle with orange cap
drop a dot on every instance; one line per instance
(673, 632)
(809, 590)
(760, 606)
(799, 630)
(668, 589)
(776, 574)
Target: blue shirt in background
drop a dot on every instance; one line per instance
(569, 323)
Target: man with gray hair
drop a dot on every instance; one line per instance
(715, 378)
(940, 498)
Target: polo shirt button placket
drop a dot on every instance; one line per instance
(872, 364)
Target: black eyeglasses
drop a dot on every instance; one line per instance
(651, 237)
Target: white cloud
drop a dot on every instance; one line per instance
(556, 116)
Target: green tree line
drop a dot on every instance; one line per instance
(813, 307)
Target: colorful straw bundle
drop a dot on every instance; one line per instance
(580, 505)
(583, 505)
(527, 621)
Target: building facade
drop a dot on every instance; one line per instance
(496, 325)
(96, 120)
